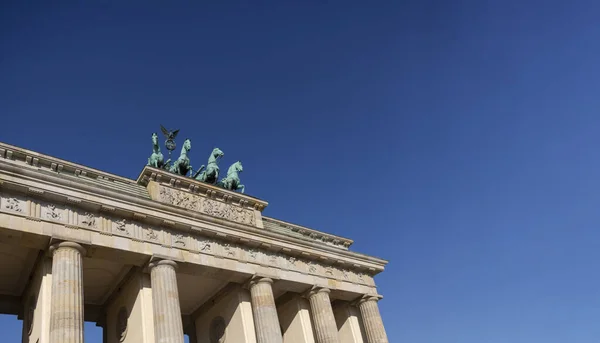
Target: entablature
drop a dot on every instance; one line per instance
(172, 211)
(113, 213)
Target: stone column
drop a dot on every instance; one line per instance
(372, 320)
(264, 311)
(168, 326)
(66, 309)
(323, 319)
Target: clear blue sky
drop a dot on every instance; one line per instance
(458, 139)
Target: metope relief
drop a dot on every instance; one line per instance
(179, 240)
(89, 220)
(150, 234)
(122, 226)
(53, 212)
(229, 250)
(13, 204)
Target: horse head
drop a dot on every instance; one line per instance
(187, 145)
(154, 139)
(216, 153)
(236, 167)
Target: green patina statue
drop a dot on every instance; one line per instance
(232, 180)
(182, 165)
(156, 160)
(211, 174)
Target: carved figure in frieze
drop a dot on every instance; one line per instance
(121, 226)
(53, 213)
(292, 260)
(151, 234)
(179, 239)
(211, 173)
(89, 219)
(13, 204)
(253, 253)
(312, 267)
(182, 165)
(229, 249)
(156, 160)
(232, 180)
(206, 246)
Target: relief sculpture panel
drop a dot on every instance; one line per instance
(179, 198)
(228, 211)
(53, 212)
(191, 241)
(13, 203)
(204, 205)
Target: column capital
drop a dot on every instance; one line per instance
(66, 244)
(315, 290)
(161, 262)
(256, 279)
(367, 297)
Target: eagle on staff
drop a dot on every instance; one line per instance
(170, 138)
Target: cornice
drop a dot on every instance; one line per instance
(326, 238)
(58, 165)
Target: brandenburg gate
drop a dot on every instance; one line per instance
(174, 252)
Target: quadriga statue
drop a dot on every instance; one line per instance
(156, 160)
(182, 165)
(211, 173)
(232, 180)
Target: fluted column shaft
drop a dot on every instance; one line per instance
(66, 309)
(323, 319)
(372, 321)
(168, 326)
(266, 322)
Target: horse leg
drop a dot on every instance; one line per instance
(242, 187)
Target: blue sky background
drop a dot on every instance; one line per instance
(458, 139)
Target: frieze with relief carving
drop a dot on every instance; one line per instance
(179, 240)
(150, 234)
(13, 204)
(228, 211)
(179, 198)
(211, 207)
(196, 242)
(88, 219)
(121, 226)
(53, 212)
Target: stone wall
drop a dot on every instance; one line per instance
(128, 316)
(236, 312)
(36, 304)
